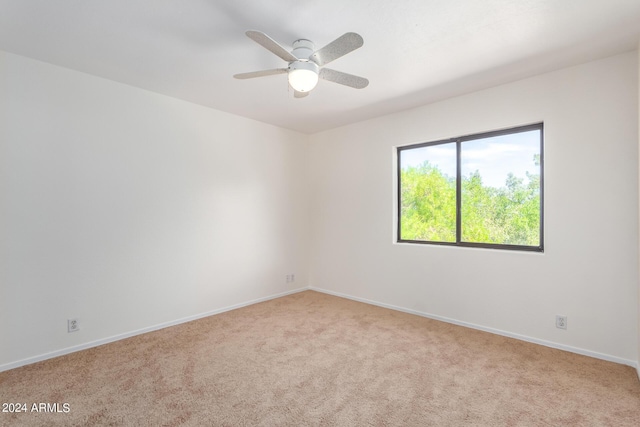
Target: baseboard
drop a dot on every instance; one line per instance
(96, 343)
(545, 343)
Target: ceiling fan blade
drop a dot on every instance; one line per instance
(344, 44)
(271, 45)
(262, 73)
(297, 94)
(343, 78)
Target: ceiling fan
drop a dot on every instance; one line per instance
(306, 65)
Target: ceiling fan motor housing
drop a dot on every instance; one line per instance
(303, 49)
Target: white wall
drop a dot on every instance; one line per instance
(128, 209)
(589, 270)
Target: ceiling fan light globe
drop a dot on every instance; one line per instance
(303, 76)
(303, 80)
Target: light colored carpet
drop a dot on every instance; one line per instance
(315, 359)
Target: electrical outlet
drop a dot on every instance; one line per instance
(561, 322)
(73, 325)
(293, 277)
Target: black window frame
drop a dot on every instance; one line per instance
(458, 141)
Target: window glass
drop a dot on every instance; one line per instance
(428, 196)
(501, 189)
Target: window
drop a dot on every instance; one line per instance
(482, 190)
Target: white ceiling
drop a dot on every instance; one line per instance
(415, 51)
